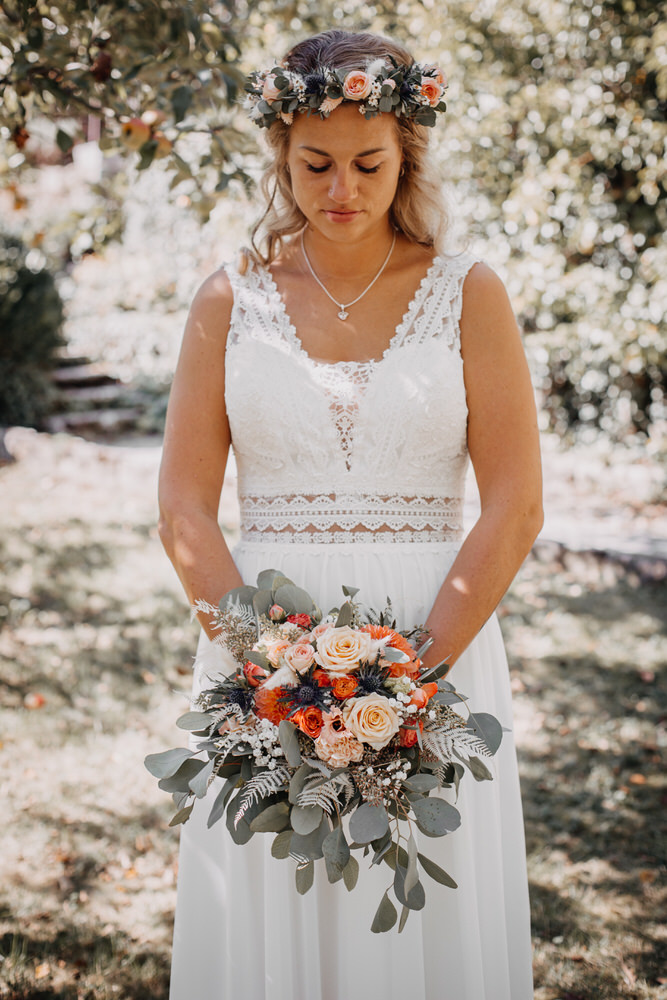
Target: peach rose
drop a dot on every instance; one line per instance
(269, 91)
(431, 90)
(371, 719)
(320, 629)
(275, 649)
(309, 720)
(340, 650)
(299, 656)
(357, 85)
(254, 674)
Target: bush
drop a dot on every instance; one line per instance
(31, 315)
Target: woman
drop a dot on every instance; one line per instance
(360, 367)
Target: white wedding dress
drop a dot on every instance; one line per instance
(353, 473)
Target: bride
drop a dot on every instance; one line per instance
(353, 366)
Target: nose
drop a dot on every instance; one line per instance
(343, 188)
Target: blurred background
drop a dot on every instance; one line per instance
(127, 174)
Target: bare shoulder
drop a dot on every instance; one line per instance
(213, 301)
(487, 321)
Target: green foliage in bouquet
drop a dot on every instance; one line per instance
(31, 314)
(331, 735)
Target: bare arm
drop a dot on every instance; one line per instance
(503, 442)
(196, 446)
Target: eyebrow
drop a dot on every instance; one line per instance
(322, 152)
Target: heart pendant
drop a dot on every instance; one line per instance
(342, 314)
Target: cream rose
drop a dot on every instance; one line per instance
(371, 719)
(269, 90)
(299, 656)
(357, 85)
(340, 650)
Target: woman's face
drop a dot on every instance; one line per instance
(344, 171)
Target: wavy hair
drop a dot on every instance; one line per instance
(418, 211)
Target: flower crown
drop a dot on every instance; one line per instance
(415, 91)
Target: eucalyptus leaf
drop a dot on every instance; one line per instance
(192, 722)
(238, 596)
(257, 657)
(405, 913)
(344, 615)
(304, 878)
(394, 655)
(305, 819)
(180, 781)
(336, 853)
(487, 728)
(421, 782)
(274, 818)
(280, 848)
(411, 874)
(182, 816)
(293, 599)
(289, 742)
(416, 898)
(368, 822)
(350, 591)
(478, 769)
(166, 763)
(199, 784)
(351, 873)
(266, 578)
(220, 801)
(262, 601)
(448, 698)
(390, 857)
(310, 846)
(435, 673)
(298, 780)
(436, 872)
(435, 817)
(385, 917)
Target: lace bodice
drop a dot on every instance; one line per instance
(349, 451)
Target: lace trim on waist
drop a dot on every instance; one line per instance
(336, 518)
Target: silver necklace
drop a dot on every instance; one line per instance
(344, 306)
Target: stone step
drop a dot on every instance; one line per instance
(94, 394)
(95, 422)
(78, 376)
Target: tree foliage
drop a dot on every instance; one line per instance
(555, 143)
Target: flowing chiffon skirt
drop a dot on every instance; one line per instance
(242, 931)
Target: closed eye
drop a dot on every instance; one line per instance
(364, 170)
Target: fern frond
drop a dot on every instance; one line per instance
(259, 787)
(328, 795)
(447, 744)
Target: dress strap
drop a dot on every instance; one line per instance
(439, 310)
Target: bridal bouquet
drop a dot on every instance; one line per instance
(331, 735)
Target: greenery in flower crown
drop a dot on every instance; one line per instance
(415, 91)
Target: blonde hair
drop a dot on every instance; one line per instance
(418, 211)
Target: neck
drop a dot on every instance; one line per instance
(340, 259)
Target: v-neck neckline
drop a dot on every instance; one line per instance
(398, 337)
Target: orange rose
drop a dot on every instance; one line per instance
(431, 90)
(322, 677)
(422, 695)
(309, 720)
(407, 737)
(357, 85)
(344, 686)
(254, 674)
(303, 621)
(397, 641)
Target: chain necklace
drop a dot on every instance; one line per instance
(344, 306)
